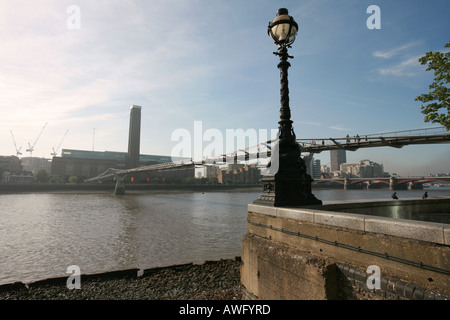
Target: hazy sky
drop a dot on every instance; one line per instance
(81, 68)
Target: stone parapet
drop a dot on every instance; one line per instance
(413, 229)
(411, 251)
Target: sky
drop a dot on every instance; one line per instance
(80, 65)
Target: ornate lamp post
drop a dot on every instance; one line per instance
(287, 183)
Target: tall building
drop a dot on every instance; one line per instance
(134, 137)
(337, 157)
(315, 169)
(312, 167)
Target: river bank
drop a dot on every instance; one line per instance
(45, 232)
(213, 280)
(109, 188)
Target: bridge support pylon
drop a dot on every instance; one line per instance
(120, 184)
(392, 183)
(346, 183)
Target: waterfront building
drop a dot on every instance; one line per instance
(17, 177)
(10, 163)
(325, 169)
(35, 164)
(88, 164)
(12, 171)
(240, 174)
(362, 169)
(325, 172)
(209, 172)
(212, 171)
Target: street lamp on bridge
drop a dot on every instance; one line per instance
(287, 183)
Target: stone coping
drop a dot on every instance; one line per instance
(413, 229)
(381, 202)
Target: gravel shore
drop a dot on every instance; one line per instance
(215, 280)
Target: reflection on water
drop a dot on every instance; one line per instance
(42, 234)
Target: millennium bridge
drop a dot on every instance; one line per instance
(396, 139)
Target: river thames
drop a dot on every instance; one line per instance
(41, 234)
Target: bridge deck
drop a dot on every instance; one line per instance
(352, 144)
(307, 145)
(114, 173)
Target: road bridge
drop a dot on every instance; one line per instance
(393, 182)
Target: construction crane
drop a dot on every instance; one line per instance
(55, 152)
(18, 153)
(31, 147)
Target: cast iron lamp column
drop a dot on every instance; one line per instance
(287, 183)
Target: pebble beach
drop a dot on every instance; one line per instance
(213, 280)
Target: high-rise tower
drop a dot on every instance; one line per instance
(337, 158)
(134, 138)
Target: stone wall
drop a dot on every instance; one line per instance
(313, 254)
(273, 271)
(352, 285)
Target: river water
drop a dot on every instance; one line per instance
(41, 234)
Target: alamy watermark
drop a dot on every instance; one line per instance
(374, 21)
(74, 280)
(374, 278)
(213, 145)
(73, 22)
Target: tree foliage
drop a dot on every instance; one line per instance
(73, 179)
(438, 108)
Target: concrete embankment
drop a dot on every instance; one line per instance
(212, 280)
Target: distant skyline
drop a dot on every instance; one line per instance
(80, 65)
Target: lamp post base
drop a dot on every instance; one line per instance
(286, 191)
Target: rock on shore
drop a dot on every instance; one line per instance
(216, 280)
